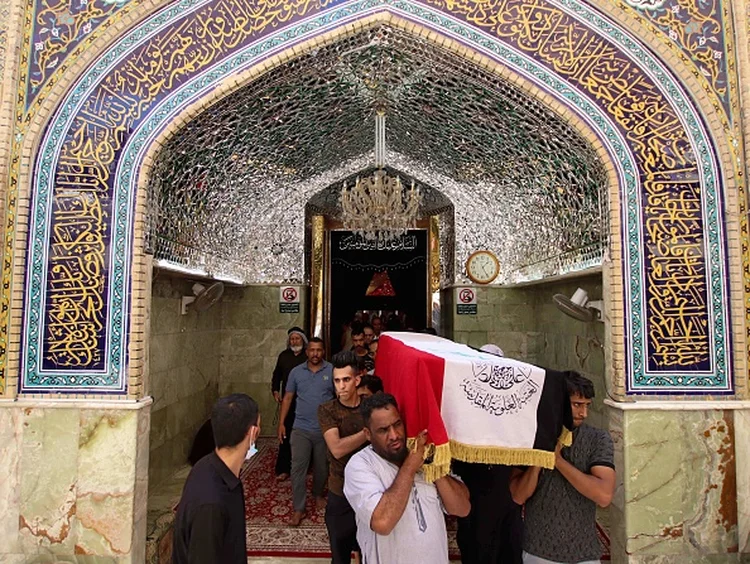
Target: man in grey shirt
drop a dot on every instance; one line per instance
(560, 524)
(312, 384)
(399, 515)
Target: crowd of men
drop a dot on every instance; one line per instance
(336, 418)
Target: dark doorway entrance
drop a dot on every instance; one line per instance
(388, 278)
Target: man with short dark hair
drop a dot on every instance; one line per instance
(369, 384)
(399, 515)
(560, 523)
(358, 341)
(360, 348)
(210, 521)
(372, 352)
(343, 431)
(377, 325)
(312, 384)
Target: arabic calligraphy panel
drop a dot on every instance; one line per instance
(673, 265)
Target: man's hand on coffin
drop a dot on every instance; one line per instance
(558, 453)
(523, 483)
(416, 455)
(393, 502)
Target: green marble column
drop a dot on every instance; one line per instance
(75, 477)
(677, 498)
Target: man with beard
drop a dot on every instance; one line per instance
(312, 384)
(343, 430)
(359, 347)
(561, 503)
(399, 515)
(289, 358)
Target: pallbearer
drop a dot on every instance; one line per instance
(485, 414)
(561, 503)
(343, 430)
(400, 516)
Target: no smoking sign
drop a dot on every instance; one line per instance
(288, 299)
(466, 301)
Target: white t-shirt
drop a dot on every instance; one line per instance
(419, 535)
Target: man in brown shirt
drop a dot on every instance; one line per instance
(343, 430)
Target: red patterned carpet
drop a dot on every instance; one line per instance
(268, 507)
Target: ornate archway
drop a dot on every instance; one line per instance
(658, 116)
(85, 182)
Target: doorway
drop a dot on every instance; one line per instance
(386, 279)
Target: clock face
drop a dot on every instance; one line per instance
(482, 267)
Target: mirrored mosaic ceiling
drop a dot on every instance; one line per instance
(228, 192)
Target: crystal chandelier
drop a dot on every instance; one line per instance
(377, 208)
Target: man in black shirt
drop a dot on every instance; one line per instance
(289, 358)
(493, 531)
(360, 348)
(210, 523)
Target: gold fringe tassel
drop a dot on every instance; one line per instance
(502, 455)
(566, 437)
(434, 472)
(440, 456)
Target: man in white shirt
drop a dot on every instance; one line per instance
(400, 517)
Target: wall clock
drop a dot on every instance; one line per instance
(482, 267)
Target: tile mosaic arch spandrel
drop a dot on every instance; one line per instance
(77, 292)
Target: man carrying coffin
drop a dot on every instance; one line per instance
(493, 531)
(341, 422)
(399, 514)
(489, 412)
(561, 503)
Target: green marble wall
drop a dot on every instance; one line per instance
(74, 483)
(568, 344)
(676, 500)
(184, 373)
(504, 317)
(195, 358)
(253, 335)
